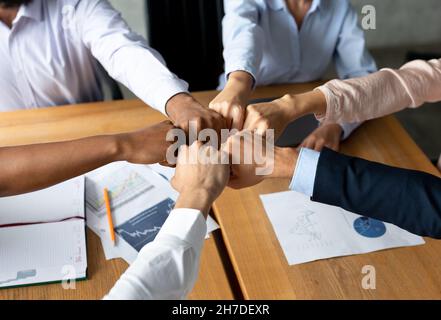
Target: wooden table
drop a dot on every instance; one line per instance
(63, 123)
(261, 267)
(255, 253)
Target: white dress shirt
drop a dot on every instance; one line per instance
(48, 57)
(166, 268)
(262, 38)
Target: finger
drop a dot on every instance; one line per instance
(262, 127)
(249, 118)
(332, 145)
(309, 144)
(238, 118)
(319, 145)
(182, 154)
(173, 182)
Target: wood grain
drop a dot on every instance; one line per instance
(70, 122)
(255, 253)
(263, 272)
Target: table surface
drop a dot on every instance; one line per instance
(261, 267)
(70, 122)
(251, 245)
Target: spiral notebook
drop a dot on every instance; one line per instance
(43, 236)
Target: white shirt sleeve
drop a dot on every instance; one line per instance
(303, 179)
(126, 55)
(242, 37)
(166, 268)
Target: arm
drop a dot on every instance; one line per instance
(406, 198)
(354, 100)
(125, 54)
(167, 268)
(33, 167)
(243, 43)
(242, 37)
(128, 59)
(380, 93)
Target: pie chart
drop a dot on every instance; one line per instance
(369, 228)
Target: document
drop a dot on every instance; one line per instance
(43, 235)
(141, 200)
(309, 231)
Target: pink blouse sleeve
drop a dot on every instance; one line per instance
(382, 93)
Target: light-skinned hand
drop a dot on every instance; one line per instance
(232, 101)
(249, 168)
(202, 172)
(328, 135)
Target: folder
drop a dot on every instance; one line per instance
(43, 236)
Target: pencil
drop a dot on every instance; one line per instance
(109, 215)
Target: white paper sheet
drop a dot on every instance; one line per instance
(42, 253)
(309, 231)
(56, 203)
(141, 200)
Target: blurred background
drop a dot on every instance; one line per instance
(406, 29)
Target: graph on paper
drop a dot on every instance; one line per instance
(144, 227)
(306, 226)
(123, 184)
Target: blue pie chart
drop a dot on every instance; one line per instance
(369, 228)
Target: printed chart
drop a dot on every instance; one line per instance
(123, 184)
(144, 227)
(369, 228)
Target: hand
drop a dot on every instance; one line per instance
(183, 108)
(279, 113)
(201, 175)
(271, 115)
(327, 135)
(232, 101)
(146, 146)
(250, 166)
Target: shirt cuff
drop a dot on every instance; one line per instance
(246, 67)
(304, 175)
(188, 225)
(165, 90)
(348, 128)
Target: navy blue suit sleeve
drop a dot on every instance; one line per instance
(407, 198)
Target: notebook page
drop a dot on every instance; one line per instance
(42, 253)
(59, 202)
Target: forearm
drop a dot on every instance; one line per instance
(285, 160)
(126, 55)
(167, 267)
(29, 168)
(242, 37)
(381, 93)
(406, 198)
(295, 106)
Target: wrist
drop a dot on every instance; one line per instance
(197, 198)
(289, 106)
(285, 160)
(241, 82)
(311, 102)
(124, 146)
